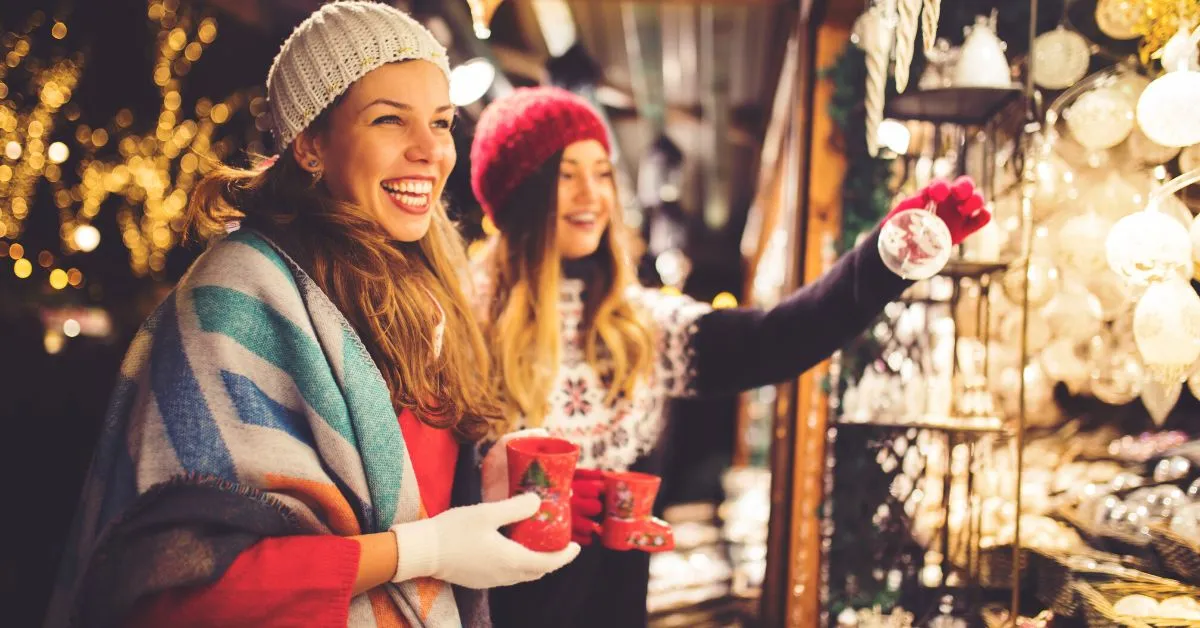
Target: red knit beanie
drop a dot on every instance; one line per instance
(516, 134)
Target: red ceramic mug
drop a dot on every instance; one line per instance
(628, 519)
(544, 466)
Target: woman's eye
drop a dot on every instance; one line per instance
(387, 120)
(444, 124)
(566, 176)
(606, 175)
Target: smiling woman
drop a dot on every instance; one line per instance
(291, 441)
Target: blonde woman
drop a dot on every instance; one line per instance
(291, 439)
(586, 354)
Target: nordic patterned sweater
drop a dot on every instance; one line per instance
(701, 352)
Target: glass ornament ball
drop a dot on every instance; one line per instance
(915, 244)
(1114, 295)
(1117, 380)
(1166, 329)
(1043, 282)
(1114, 195)
(1054, 185)
(1101, 118)
(1073, 314)
(1189, 158)
(1080, 242)
(1061, 58)
(1147, 151)
(1149, 246)
(1167, 111)
(1117, 18)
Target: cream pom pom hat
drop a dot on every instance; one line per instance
(335, 46)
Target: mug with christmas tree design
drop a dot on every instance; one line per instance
(544, 466)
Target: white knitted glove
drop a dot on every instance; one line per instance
(494, 470)
(464, 546)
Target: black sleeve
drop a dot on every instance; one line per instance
(740, 349)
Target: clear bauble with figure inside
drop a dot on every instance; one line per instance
(915, 243)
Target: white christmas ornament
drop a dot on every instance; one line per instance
(982, 63)
(1149, 246)
(1100, 119)
(1166, 329)
(1160, 397)
(1080, 245)
(1117, 18)
(906, 39)
(915, 244)
(1060, 58)
(1167, 110)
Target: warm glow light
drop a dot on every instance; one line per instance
(59, 31)
(12, 150)
(16, 251)
(470, 81)
(71, 328)
(45, 259)
(58, 279)
(724, 301)
(58, 152)
(894, 136)
(87, 238)
(23, 269)
(53, 341)
(74, 277)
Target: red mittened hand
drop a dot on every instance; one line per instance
(958, 204)
(587, 487)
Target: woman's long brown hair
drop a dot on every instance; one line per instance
(381, 286)
(522, 320)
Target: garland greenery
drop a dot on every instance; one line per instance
(865, 195)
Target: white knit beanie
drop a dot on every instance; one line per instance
(334, 47)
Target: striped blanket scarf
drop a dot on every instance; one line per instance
(247, 407)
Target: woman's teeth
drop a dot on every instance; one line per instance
(411, 193)
(583, 219)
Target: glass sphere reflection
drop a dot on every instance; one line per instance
(1117, 380)
(915, 244)
(1101, 118)
(1167, 110)
(1060, 58)
(1117, 18)
(1149, 246)
(1166, 328)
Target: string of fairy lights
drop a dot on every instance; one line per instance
(147, 174)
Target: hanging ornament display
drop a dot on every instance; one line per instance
(1073, 314)
(482, 12)
(1118, 18)
(1113, 195)
(1189, 158)
(1114, 295)
(906, 40)
(1060, 58)
(1160, 397)
(1079, 244)
(1149, 246)
(1043, 282)
(1167, 110)
(982, 63)
(931, 11)
(1166, 329)
(915, 244)
(1147, 151)
(1100, 119)
(1117, 380)
(876, 42)
(1054, 185)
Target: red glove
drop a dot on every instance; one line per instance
(586, 488)
(958, 205)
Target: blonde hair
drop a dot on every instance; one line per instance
(522, 317)
(382, 287)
